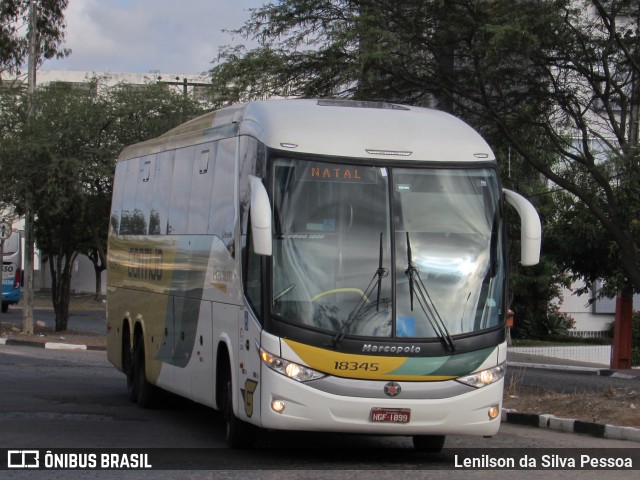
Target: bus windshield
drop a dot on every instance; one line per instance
(386, 252)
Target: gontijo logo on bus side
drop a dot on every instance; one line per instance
(377, 367)
(145, 263)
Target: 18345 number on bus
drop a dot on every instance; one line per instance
(355, 366)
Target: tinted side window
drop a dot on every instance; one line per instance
(180, 190)
(128, 218)
(253, 281)
(144, 192)
(117, 197)
(201, 187)
(222, 218)
(159, 215)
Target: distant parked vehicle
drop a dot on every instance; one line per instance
(11, 271)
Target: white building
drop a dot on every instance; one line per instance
(191, 84)
(594, 316)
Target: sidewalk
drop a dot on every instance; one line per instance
(554, 359)
(86, 328)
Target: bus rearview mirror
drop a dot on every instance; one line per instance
(260, 217)
(530, 229)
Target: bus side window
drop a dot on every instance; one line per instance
(202, 181)
(159, 215)
(252, 161)
(118, 193)
(253, 279)
(222, 216)
(144, 192)
(128, 219)
(180, 191)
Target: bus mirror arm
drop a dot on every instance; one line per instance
(530, 230)
(260, 217)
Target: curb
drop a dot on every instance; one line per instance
(50, 345)
(571, 426)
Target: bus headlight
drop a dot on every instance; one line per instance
(292, 370)
(484, 377)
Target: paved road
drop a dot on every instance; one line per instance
(60, 399)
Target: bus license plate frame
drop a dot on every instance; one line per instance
(390, 415)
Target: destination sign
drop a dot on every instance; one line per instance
(336, 173)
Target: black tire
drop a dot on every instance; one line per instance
(127, 366)
(239, 434)
(428, 443)
(5, 307)
(146, 393)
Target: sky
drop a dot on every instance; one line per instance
(142, 36)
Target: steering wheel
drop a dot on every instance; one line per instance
(340, 290)
(283, 292)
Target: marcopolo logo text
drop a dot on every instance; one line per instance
(370, 348)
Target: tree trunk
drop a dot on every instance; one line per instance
(60, 268)
(99, 259)
(98, 272)
(99, 265)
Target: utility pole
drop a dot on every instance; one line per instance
(27, 316)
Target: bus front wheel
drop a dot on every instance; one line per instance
(239, 434)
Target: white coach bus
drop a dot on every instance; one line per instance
(316, 265)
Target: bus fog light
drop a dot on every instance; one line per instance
(277, 406)
(494, 411)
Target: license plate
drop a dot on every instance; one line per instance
(390, 415)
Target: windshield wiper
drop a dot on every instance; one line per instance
(417, 288)
(380, 273)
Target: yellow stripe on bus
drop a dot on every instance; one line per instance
(369, 367)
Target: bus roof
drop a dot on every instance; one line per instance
(342, 128)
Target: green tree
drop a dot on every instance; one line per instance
(65, 154)
(558, 83)
(13, 40)
(555, 81)
(306, 48)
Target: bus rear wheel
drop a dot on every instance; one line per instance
(144, 392)
(127, 365)
(428, 443)
(5, 307)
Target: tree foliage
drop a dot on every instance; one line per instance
(64, 157)
(555, 82)
(14, 21)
